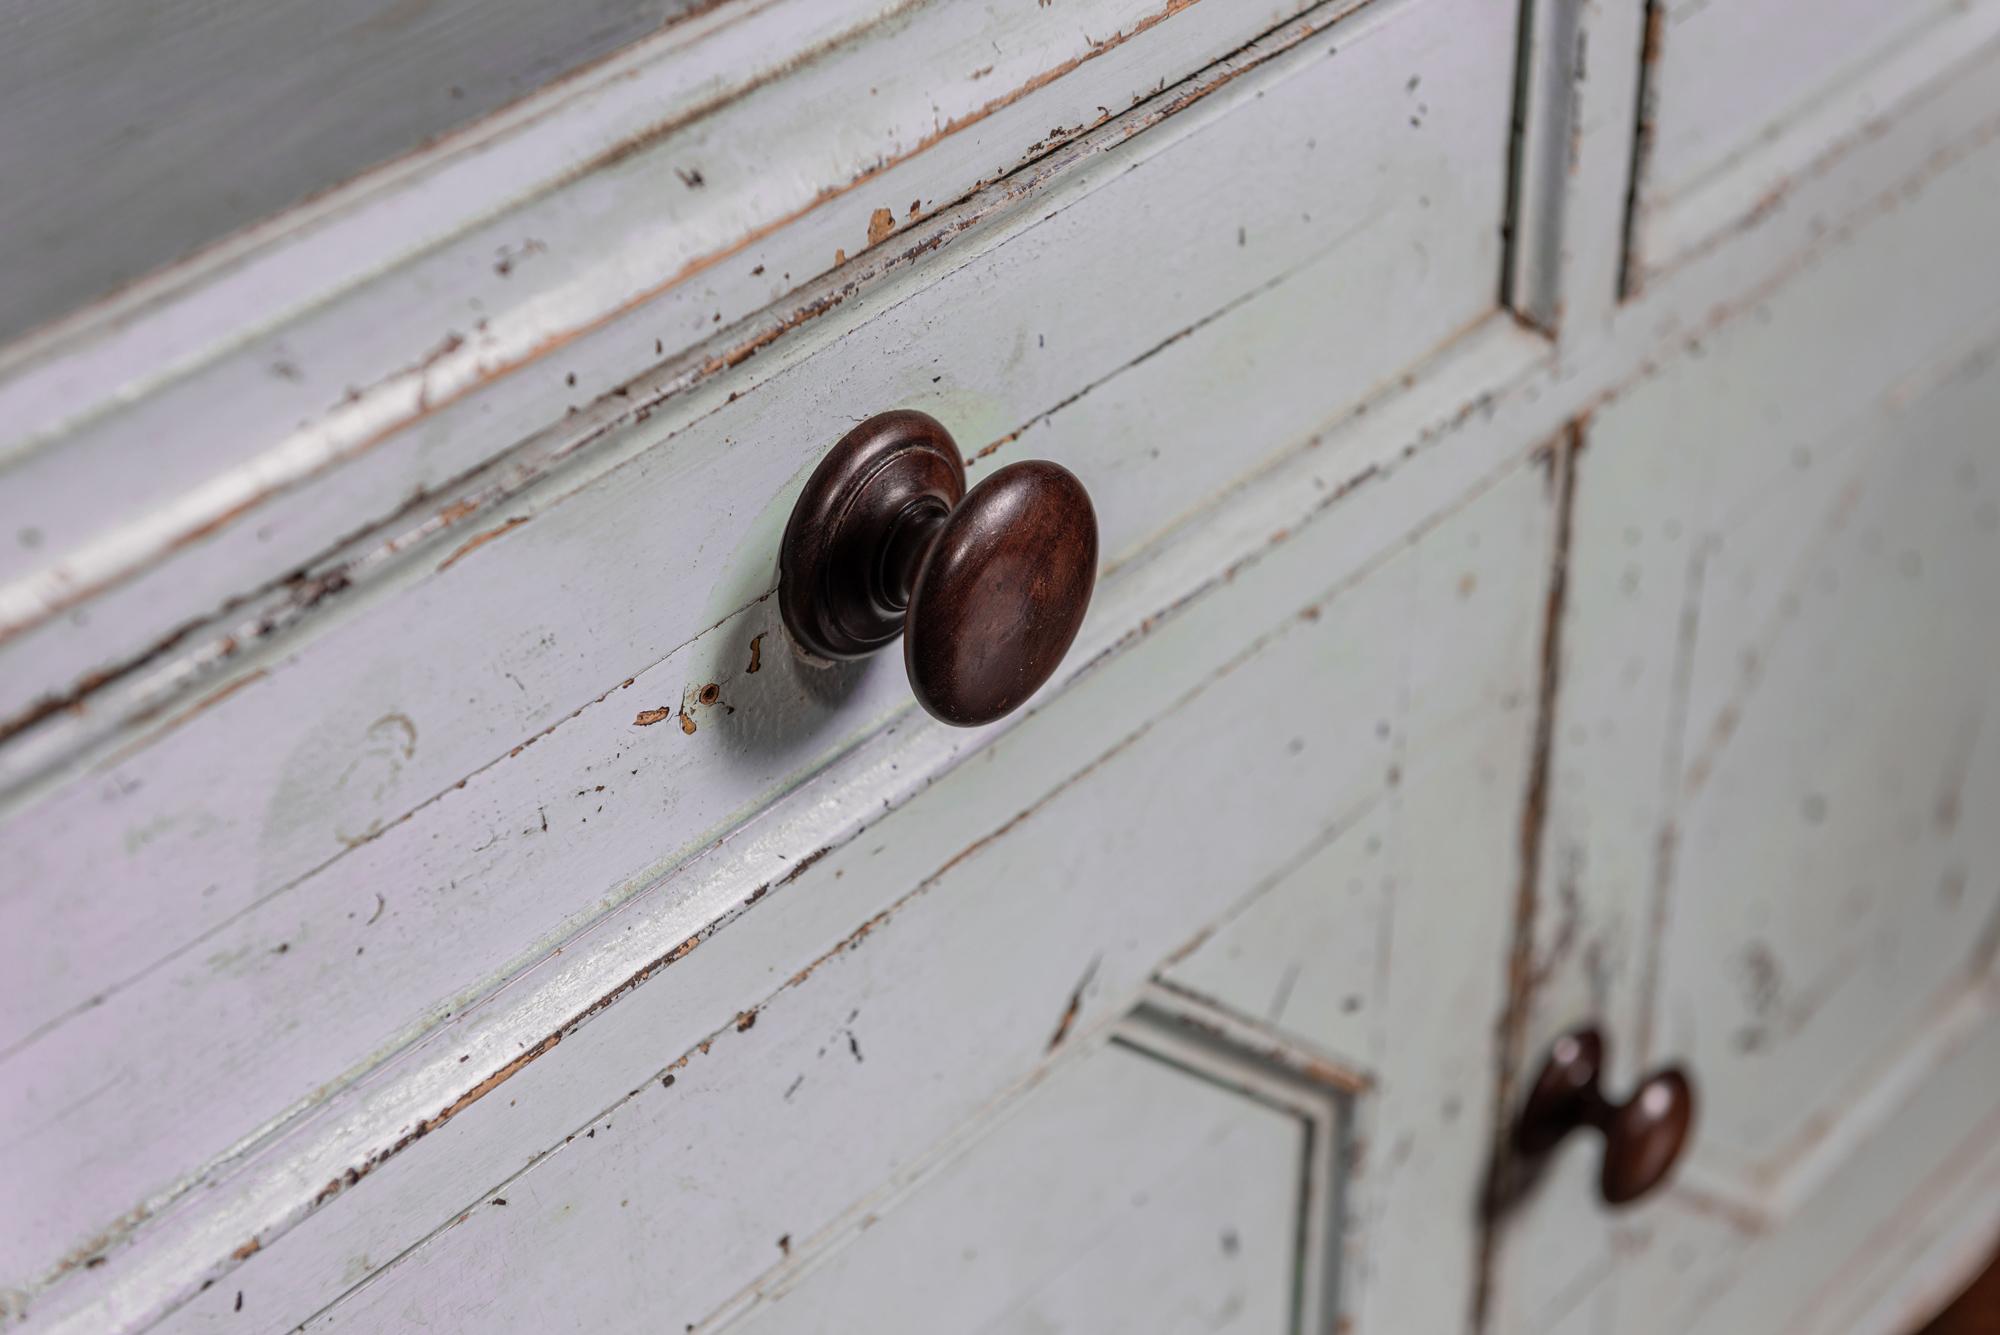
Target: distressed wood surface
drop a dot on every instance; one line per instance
(1004, 382)
(355, 1184)
(255, 1201)
(298, 1190)
(954, 986)
(1260, 313)
(1911, 1214)
(367, 1190)
(1770, 723)
(372, 356)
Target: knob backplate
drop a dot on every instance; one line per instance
(836, 595)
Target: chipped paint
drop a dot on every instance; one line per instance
(473, 544)
(880, 224)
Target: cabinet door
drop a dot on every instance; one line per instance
(1744, 100)
(1774, 766)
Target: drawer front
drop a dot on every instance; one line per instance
(1744, 100)
(373, 857)
(666, 218)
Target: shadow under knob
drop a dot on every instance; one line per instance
(988, 587)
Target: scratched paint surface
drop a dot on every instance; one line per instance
(454, 314)
(1841, 725)
(954, 992)
(303, 994)
(423, 776)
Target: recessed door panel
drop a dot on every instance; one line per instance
(1130, 1192)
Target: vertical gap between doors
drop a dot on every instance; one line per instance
(1561, 458)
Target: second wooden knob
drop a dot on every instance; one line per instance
(1643, 1136)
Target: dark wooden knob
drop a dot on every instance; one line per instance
(987, 587)
(1643, 1136)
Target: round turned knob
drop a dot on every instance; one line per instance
(1643, 1136)
(987, 587)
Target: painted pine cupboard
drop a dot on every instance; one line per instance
(1542, 460)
